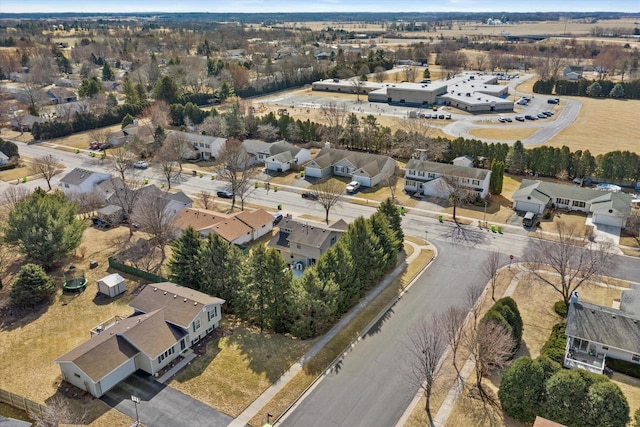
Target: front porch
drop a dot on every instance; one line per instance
(579, 355)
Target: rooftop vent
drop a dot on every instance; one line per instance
(613, 315)
(175, 296)
(195, 303)
(185, 300)
(155, 289)
(164, 293)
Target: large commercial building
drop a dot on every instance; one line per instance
(472, 92)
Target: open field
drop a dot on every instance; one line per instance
(603, 125)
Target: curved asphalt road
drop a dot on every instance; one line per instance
(369, 387)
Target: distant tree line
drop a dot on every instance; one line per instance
(591, 88)
(259, 287)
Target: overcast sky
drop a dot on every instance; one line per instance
(25, 6)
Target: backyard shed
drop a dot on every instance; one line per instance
(111, 214)
(112, 285)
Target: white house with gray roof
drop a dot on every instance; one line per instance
(81, 181)
(208, 147)
(607, 208)
(284, 155)
(167, 319)
(595, 332)
(366, 168)
(425, 177)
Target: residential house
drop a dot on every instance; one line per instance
(208, 147)
(115, 192)
(61, 95)
(573, 72)
(595, 332)
(606, 208)
(4, 159)
(81, 181)
(237, 228)
(426, 177)
(366, 168)
(464, 161)
(259, 150)
(167, 319)
(24, 123)
(301, 244)
(284, 156)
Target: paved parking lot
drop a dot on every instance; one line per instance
(161, 405)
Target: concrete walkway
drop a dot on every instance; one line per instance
(257, 405)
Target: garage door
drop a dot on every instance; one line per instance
(313, 172)
(607, 220)
(527, 207)
(117, 375)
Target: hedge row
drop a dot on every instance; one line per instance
(505, 312)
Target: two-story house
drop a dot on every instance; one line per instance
(284, 155)
(301, 244)
(237, 228)
(167, 320)
(81, 181)
(426, 177)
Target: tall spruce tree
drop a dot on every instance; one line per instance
(221, 263)
(390, 209)
(366, 252)
(32, 286)
(314, 305)
(183, 267)
(44, 227)
(336, 266)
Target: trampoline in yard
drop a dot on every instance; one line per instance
(73, 280)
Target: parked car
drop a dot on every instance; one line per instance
(95, 145)
(508, 119)
(542, 116)
(553, 101)
(548, 113)
(501, 119)
(105, 145)
(310, 195)
(277, 217)
(448, 116)
(530, 117)
(225, 194)
(141, 164)
(353, 186)
(441, 116)
(520, 118)
(529, 219)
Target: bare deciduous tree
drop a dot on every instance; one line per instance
(455, 192)
(490, 345)
(329, 191)
(490, 268)
(452, 322)
(100, 135)
(121, 160)
(206, 198)
(158, 113)
(12, 195)
(426, 347)
(357, 83)
(335, 116)
(57, 412)
(47, 166)
(181, 146)
(151, 215)
(235, 167)
(572, 257)
(88, 202)
(167, 159)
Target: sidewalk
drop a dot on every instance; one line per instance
(188, 355)
(255, 407)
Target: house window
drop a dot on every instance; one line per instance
(333, 240)
(339, 168)
(298, 246)
(636, 357)
(560, 201)
(411, 172)
(212, 314)
(475, 182)
(420, 173)
(66, 185)
(581, 345)
(431, 175)
(605, 348)
(196, 325)
(578, 204)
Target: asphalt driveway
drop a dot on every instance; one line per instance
(161, 405)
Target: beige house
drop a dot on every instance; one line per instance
(168, 319)
(238, 228)
(366, 168)
(301, 244)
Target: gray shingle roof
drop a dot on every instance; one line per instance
(77, 176)
(370, 163)
(608, 326)
(305, 234)
(447, 169)
(599, 199)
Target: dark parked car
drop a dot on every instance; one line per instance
(310, 195)
(225, 194)
(553, 101)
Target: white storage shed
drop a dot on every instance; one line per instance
(112, 285)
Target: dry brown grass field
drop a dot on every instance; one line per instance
(504, 133)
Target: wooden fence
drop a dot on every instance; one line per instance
(29, 406)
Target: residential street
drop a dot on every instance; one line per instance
(367, 387)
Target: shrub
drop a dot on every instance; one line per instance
(624, 367)
(522, 389)
(636, 418)
(561, 309)
(555, 345)
(505, 312)
(606, 405)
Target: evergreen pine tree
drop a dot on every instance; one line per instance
(183, 268)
